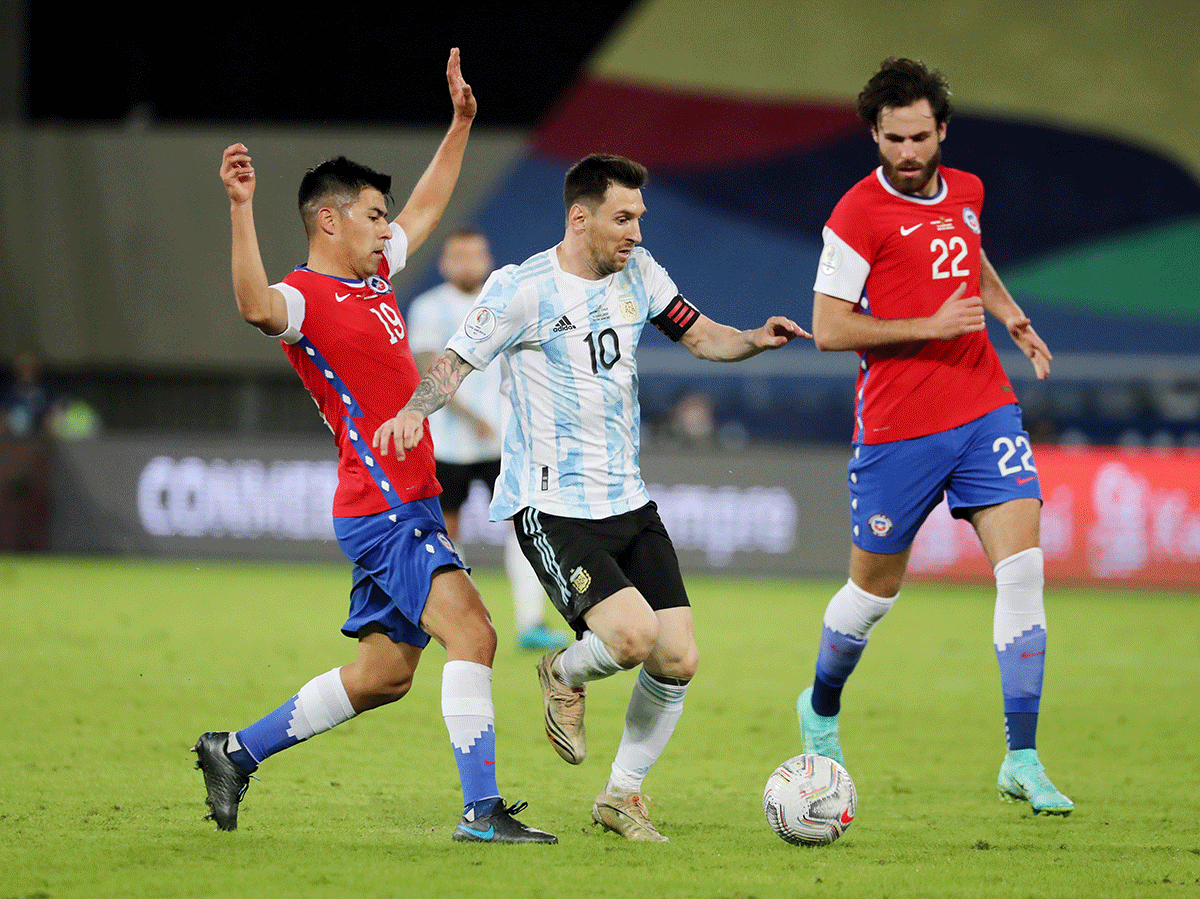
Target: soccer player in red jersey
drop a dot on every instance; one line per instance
(337, 319)
(904, 282)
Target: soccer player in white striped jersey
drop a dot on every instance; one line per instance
(565, 325)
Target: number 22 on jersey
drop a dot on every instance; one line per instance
(948, 258)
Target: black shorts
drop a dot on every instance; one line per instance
(456, 480)
(581, 562)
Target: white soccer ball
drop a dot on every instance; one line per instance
(810, 800)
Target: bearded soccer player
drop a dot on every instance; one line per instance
(904, 282)
(337, 319)
(565, 325)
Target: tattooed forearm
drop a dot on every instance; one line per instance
(436, 388)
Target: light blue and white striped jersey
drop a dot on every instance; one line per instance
(566, 347)
(433, 318)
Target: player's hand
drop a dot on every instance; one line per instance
(1023, 335)
(237, 173)
(405, 431)
(460, 91)
(957, 316)
(778, 331)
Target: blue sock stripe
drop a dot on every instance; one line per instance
(481, 808)
(1022, 666)
(477, 768)
(837, 657)
(1020, 730)
(270, 734)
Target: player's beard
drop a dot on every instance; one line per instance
(915, 181)
(606, 263)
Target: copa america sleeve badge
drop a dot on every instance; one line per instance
(480, 323)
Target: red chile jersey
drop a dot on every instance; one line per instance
(900, 256)
(349, 344)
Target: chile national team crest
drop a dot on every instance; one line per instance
(379, 284)
(971, 219)
(879, 524)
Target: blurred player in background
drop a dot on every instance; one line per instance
(337, 319)
(466, 433)
(904, 282)
(565, 325)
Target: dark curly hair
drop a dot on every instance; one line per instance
(902, 82)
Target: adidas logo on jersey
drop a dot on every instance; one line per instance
(563, 324)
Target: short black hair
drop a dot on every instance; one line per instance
(337, 182)
(902, 82)
(587, 181)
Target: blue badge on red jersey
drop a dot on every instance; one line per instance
(379, 284)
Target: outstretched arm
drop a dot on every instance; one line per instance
(425, 206)
(432, 392)
(259, 304)
(482, 429)
(707, 339)
(999, 303)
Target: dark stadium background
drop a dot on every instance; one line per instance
(320, 64)
(208, 74)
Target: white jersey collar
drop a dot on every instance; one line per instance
(913, 198)
(588, 283)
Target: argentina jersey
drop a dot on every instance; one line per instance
(566, 347)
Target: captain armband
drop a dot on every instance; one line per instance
(675, 320)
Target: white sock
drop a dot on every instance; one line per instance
(654, 710)
(321, 704)
(1020, 583)
(855, 612)
(529, 600)
(586, 659)
(467, 702)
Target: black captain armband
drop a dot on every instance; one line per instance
(676, 318)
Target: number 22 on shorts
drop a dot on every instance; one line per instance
(1008, 464)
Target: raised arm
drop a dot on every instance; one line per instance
(257, 301)
(425, 206)
(432, 392)
(837, 326)
(1000, 304)
(707, 339)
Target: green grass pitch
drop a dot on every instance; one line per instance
(111, 669)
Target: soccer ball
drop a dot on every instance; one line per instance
(809, 800)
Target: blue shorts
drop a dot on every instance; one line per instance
(894, 486)
(395, 555)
